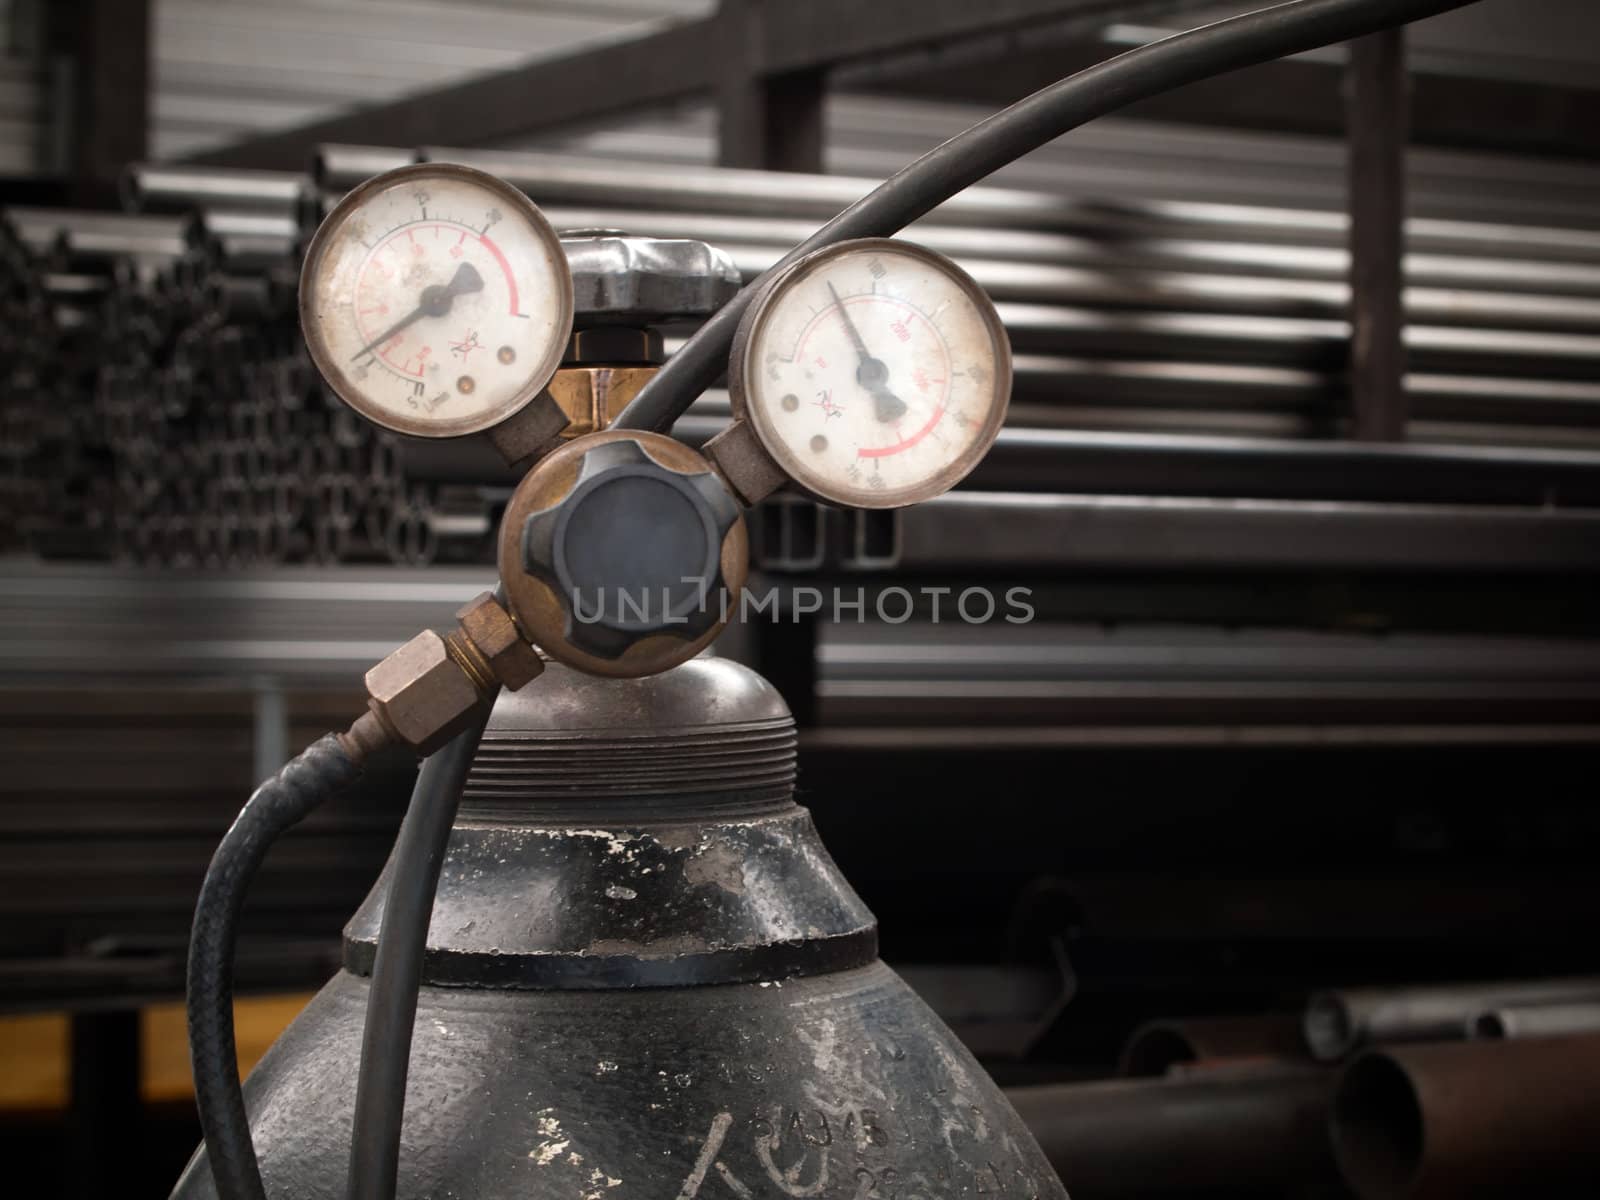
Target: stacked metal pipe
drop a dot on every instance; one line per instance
(1156, 314)
(1476, 1089)
(1469, 1089)
(161, 408)
(1484, 1089)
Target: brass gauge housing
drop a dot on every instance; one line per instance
(436, 300)
(874, 374)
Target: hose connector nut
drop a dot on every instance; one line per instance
(422, 694)
(489, 642)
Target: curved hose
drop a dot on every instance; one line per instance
(397, 969)
(322, 770)
(911, 192)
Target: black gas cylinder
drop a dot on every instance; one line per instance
(646, 980)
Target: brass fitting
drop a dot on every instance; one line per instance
(593, 396)
(489, 645)
(422, 695)
(428, 690)
(579, 400)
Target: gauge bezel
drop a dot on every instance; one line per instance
(311, 330)
(741, 370)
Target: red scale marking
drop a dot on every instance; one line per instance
(383, 272)
(905, 443)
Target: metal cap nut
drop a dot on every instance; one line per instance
(496, 637)
(421, 693)
(641, 279)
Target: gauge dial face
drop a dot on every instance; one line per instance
(436, 300)
(875, 372)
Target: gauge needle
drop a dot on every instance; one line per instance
(872, 374)
(435, 301)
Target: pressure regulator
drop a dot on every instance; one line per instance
(439, 302)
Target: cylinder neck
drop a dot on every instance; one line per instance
(634, 833)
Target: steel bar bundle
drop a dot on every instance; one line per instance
(1163, 348)
(161, 408)
(1160, 314)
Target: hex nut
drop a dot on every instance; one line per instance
(421, 693)
(495, 635)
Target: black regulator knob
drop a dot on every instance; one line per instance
(622, 553)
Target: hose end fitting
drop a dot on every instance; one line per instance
(432, 687)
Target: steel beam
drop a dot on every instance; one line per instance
(785, 49)
(906, 47)
(796, 37)
(107, 46)
(771, 122)
(1179, 464)
(996, 531)
(1376, 104)
(614, 78)
(1449, 108)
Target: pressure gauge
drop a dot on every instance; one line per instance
(875, 373)
(436, 300)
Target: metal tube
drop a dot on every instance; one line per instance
(1479, 1118)
(1157, 1047)
(1118, 461)
(1337, 1022)
(1270, 295)
(1263, 1128)
(559, 182)
(167, 187)
(209, 224)
(92, 222)
(341, 167)
(1093, 242)
(1537, 1020)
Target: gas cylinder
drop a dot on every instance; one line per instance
(645, 979)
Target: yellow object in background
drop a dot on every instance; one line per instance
(34, 1057)
(35, 1050)
(164, 1041)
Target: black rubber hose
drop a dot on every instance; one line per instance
(397, 969)
(968, 157)
(321, 772)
